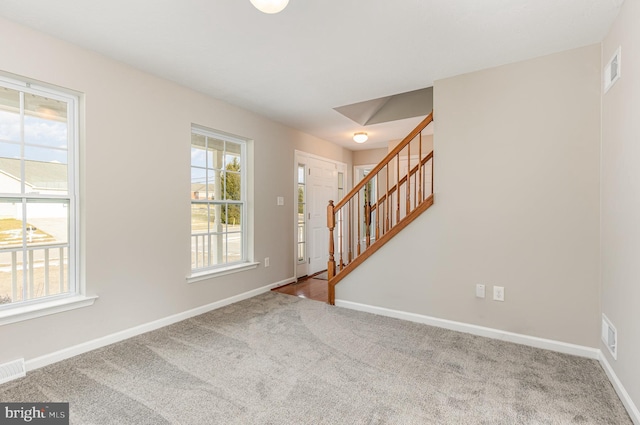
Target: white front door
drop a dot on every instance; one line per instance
(322, 186)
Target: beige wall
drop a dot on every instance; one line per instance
(136, 243)
(516, 205)
(621, 198)
(369, 156)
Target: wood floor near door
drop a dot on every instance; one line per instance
(313, 289)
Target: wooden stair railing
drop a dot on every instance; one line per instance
(398, 198)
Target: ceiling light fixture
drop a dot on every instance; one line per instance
(360, 137)
(270, 6)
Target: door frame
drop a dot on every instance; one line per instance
(301, 157)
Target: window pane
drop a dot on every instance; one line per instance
(199, 218)
(198, 154)
(10, 225)
(232, 217)
(217, 218)
(215, 152)
(10, 168)
(232, 158)
(218, 249)
(300, 199)
(45, 121)
(300, 173)
(234, 247)
(214, 185)
(301, 252)
(47, 222)
(198, 183)
(234, 149)
(47, 272)
(199, 250)
(232, 163)
(10, 275)
(9, 115)
(45, 171)
(198, 140)
(232, 186)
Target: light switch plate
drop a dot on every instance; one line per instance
(498, 293)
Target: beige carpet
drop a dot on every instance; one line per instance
(278, 359)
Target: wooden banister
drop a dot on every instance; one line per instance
(387, 159)
(403, 180)
(391, 215)
(377, 245)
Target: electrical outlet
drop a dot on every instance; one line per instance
(266, 261)
(480, 291)
(280, 200)
(498, 293)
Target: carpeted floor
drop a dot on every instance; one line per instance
(278, 359)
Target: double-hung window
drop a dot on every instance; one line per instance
(218, 201)
(38, 145)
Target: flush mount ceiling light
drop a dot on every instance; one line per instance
(270, 6)
(360, 137)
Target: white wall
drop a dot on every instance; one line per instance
(621, 198)
(136, 243)
(516, 152)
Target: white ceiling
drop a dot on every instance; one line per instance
(296, 66)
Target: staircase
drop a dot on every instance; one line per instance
(391, 196)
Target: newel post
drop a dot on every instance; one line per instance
(331, 224)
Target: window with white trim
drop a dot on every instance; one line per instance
(218, 200)
(302, 223)
(38, 192)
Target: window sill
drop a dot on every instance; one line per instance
(207, 274)
(46, 308)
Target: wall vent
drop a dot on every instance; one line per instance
(612, 71)
(610, 336)
(12, 370)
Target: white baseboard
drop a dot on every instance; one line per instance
(532, 341)
(66, 353)
(632, 409)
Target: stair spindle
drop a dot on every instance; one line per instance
(367, 222)
(377, 206)
(397, 188)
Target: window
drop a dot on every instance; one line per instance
(38, 230)
(302, 194)
(219, 231)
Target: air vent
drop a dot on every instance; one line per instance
(12, 370)
(612, 71)
(610, 336)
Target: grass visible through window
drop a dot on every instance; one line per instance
(11, 233)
